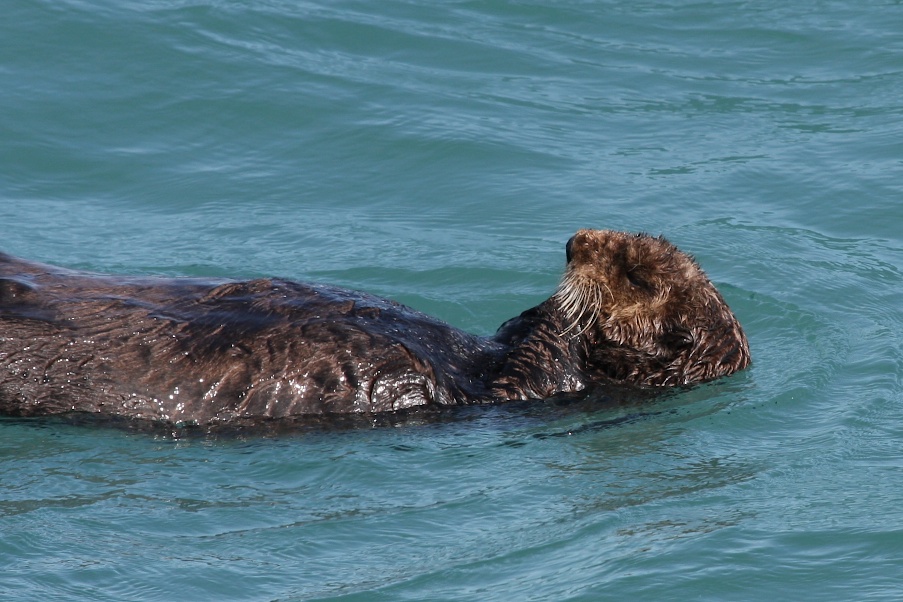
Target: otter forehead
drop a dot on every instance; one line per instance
(627, 252)
(589, 245)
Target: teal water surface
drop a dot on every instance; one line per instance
(441, 153)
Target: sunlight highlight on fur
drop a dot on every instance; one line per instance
(577, 297)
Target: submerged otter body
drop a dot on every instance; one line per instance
(631, 309)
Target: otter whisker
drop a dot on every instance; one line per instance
(610, 294)
(571, 298)
(578, 300)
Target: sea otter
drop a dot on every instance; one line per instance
(631, 309)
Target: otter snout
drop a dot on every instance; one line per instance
(580, 240)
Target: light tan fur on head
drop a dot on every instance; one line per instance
(642, 294)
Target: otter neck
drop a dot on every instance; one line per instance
(540, 359)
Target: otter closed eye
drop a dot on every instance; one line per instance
(631, 309)
(635, 278)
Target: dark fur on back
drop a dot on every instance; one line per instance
(631, 309)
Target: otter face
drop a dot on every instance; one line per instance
(648, 313)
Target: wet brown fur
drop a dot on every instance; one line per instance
(648, 312)
(631, 309)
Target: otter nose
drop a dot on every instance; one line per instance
(569, 249)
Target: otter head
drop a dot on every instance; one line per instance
(646, 311)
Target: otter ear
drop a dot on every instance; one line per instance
(678, 339)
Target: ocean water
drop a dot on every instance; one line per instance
(441, 153)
